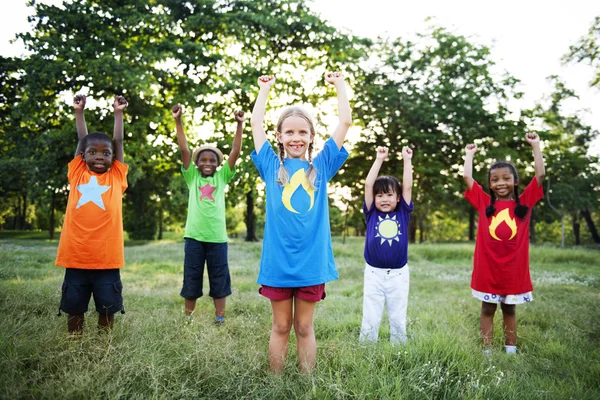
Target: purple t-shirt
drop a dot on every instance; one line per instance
(386, 242)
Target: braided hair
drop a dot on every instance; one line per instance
(520, 210)
(311, 172)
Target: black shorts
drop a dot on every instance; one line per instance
(80, 284)
(215, 256)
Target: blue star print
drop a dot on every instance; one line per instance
(91, 191)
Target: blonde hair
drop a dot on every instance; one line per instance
(311, 172)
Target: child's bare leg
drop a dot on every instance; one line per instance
(106, 321)
(220, 307)
(509, 319)
(190, 306)
(280, 333)
(75, 323)
(486, 322)
(305, 333)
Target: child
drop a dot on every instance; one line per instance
(387, 209)
(91, 242)
(205, 230)
(297, 257)
(501, 261)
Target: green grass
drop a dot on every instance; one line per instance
(151, 353)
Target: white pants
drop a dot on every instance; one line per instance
(385, 286)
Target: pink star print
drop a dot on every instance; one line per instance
(206, 191)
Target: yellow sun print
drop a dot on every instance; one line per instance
(388, 229)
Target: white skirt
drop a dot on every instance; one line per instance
(503, 298)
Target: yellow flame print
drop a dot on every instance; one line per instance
(297, 180)
(503, 216)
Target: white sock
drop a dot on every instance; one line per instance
(511, 349)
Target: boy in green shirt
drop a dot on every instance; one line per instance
(205, 231)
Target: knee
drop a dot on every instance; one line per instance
(488, 309)
(303, 329)
(509, 309)
(281, 328)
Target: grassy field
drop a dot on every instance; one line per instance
(151, 353)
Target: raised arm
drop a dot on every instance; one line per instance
(382, 153)
(540, 171)
(79, 106)
(236, 147)
(470, 150)
(344, 114)
(119, 105)
(186, 156)
(407, 175)
(265, 83)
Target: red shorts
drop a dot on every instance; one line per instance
(313, 294)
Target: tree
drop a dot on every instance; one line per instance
(587, 49)
(437, 95)
(205, 54)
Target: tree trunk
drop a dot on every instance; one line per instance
(52, 208)
(160, 222)
(576, 229)
(24, 213)
(562, 230)
(590, 224)
(250, 218)
(421, 233)
(412, 229)
(532, 237)
(471, 224)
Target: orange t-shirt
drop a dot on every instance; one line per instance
(92, 233)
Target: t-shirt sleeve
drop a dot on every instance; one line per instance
(532, 193)
(406, 206)
(264, 160)
(189, 174)
(120, 170)
(226, 173)
(75, 168)
(477, 197)
(330, 159)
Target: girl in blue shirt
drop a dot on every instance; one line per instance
(297, 257)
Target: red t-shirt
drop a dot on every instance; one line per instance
(501, 261)
(92, 233)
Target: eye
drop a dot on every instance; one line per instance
(289, 133)
(106, 153)
(303, 133)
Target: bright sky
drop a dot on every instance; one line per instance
(527, 37)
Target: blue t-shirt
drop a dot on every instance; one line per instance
(386, 242)
(297, 248)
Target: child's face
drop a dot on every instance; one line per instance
(207, 163)
(98, 156)
(386, 202)
(295, 136)
(502, 183)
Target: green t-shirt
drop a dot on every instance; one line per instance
(206, 204)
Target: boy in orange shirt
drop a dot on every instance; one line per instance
(91, 242)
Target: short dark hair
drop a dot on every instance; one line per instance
(387, 184)
(100, 136)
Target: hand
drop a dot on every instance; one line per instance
(470, 149)
(407, 153)
(334, 77)
(532, 138)
(266, 81)
(79, 102)
(239, 116)
(120, 103)
(177, 110)
(382, 153)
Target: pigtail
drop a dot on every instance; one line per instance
(282, 174)
(311, 172)
(491, 209)
(520, 210)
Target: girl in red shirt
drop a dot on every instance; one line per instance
(501, 260)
